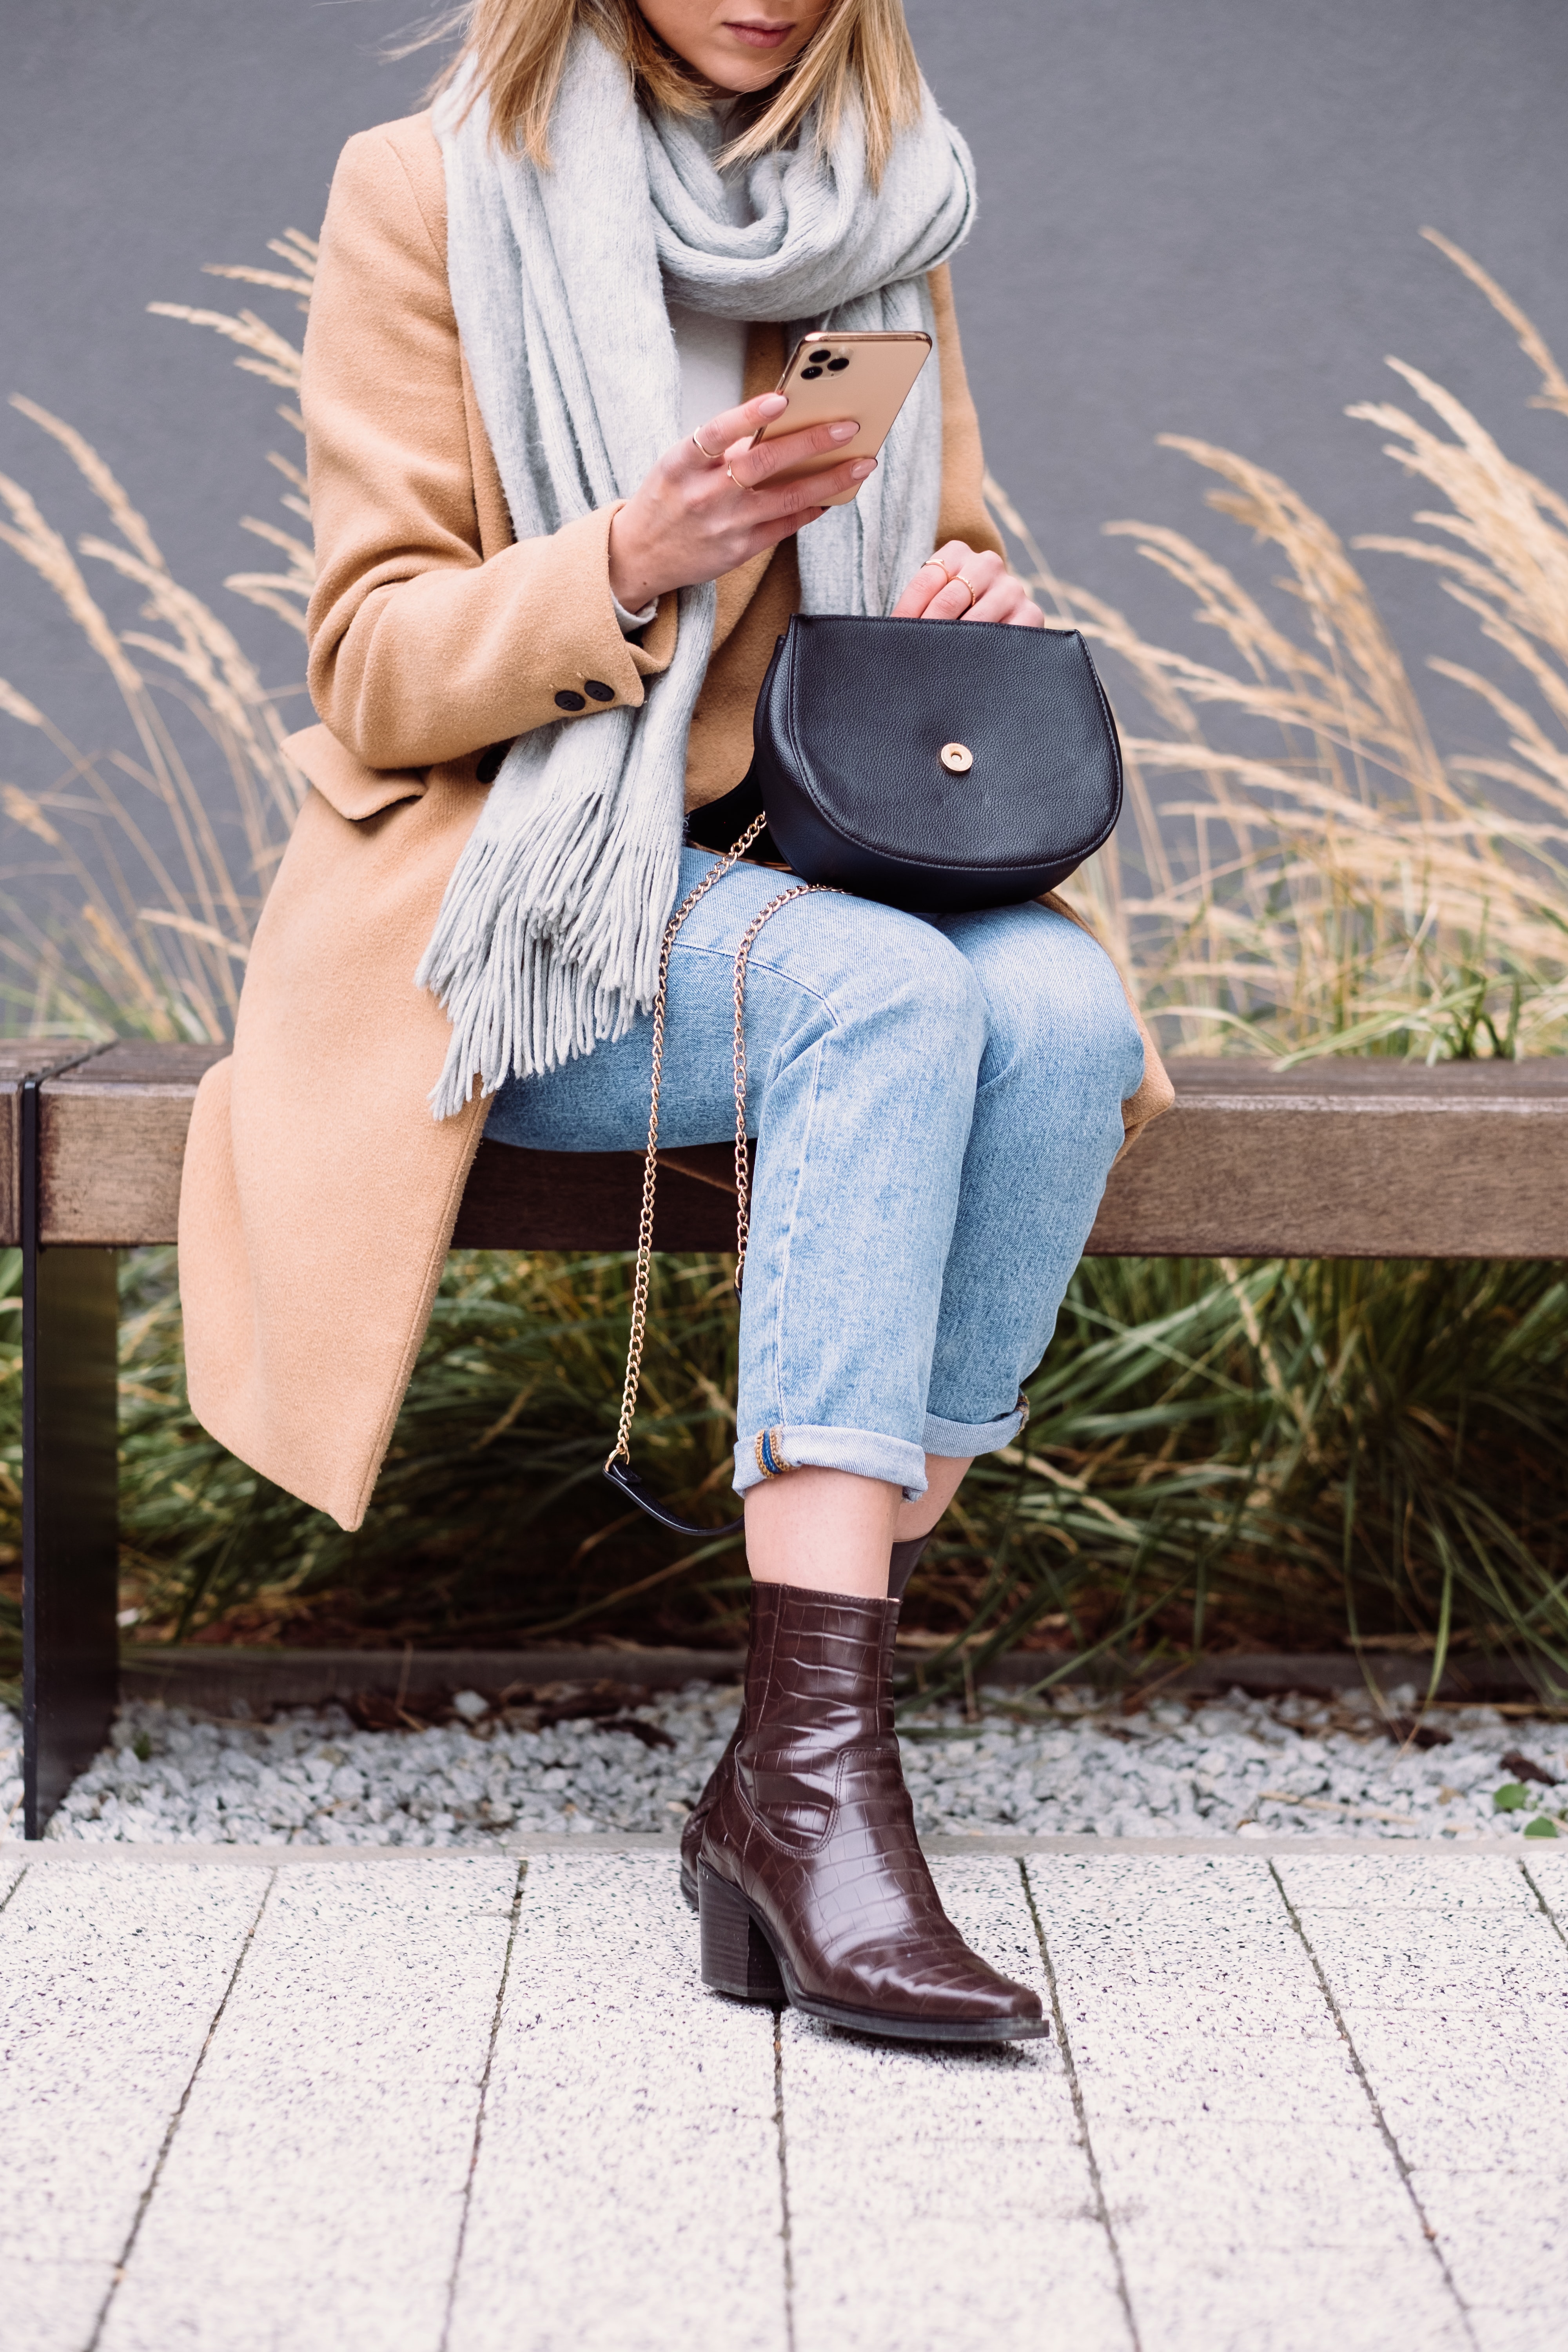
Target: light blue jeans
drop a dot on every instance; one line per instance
(937, 1101)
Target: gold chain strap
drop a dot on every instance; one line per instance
(622, 1450)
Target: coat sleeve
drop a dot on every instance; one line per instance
(962, 512)
(423, 648)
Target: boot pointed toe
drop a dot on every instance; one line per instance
(974, 2005)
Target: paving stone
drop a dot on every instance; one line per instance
(1214, 2205)
(1171, 2072)
(372, 1971)
(1324, 2299)
(313, 2194)
(628, 2194)
(1483, 1961)
(944, 2198)
(1547, 1866)
(1505, 2330)
(1459, 2013)
(1426, 1879)
(1252, 2186)
(1169, 1936)
(110, 1979)
(323, 2218)
(1506, 2242)
(50, 2307)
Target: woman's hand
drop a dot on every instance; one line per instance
(996, 595)
(696, 516)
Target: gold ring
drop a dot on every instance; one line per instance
(969, 584)
(935, 564)
(713, 456)
(750, 488)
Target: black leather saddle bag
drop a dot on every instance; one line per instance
(936, 765)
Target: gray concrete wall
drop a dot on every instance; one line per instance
(1199, 216)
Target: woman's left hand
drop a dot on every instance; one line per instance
(978, 587)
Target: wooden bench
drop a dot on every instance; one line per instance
(1353, 1158)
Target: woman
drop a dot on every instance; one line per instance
(551, 569)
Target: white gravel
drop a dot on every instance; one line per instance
(1259, 1766)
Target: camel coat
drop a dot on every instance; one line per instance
(319, 1194)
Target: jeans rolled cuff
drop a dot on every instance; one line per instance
(962, 1439)
(796, 1446)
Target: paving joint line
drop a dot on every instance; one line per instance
(1102, 2209)
(1375, 2104)
(1549, 1915)
(479, 2109)
(787, 2233)
(145, 2200)
(5, 1898)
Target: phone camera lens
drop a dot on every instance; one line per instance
(818, 358)
(809, 372)
(833, 365)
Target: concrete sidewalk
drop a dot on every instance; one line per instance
(1296, 2102)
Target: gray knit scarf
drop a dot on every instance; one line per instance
(547, 937)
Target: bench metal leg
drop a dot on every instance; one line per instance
(69, 1498)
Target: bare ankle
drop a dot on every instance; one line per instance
(827, 1530)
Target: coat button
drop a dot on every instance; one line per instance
(598, 689)
(567, 700)
(489, 765)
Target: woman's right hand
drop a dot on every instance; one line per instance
(695, 517)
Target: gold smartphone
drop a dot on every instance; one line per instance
(830, 377)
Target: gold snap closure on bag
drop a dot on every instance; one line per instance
(956, 758)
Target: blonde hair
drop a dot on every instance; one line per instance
(861, 51)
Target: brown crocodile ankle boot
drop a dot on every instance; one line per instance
(905, 1560)
(811, 1883)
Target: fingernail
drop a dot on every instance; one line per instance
(845, 432)
(862, 467)
(774, 400)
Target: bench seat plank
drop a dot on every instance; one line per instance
(1349, 1158)
(20, 1059)
(1339, 1159)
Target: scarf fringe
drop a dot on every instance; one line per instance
(548, 939)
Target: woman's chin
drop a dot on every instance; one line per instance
(743, 62)
(739, 76)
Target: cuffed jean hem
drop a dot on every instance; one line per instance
(796, 1446)
(962, 1439)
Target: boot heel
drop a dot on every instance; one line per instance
(736, 1957)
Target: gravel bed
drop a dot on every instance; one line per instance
(1260, 1767)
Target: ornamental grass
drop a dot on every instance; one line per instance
(1221, 1456)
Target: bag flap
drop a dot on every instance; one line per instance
(345, 782)
(952, 743)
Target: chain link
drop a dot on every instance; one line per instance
(622, 1450)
